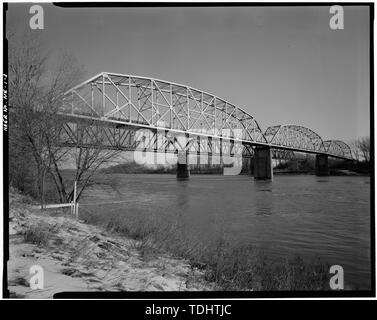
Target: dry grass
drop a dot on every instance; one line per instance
(19, 281)
(245, 268)
(230, 267)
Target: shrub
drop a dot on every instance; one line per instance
(38, 235)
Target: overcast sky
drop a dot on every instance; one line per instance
(282, 65)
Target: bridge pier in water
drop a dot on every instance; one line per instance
(263, 163)
(183, 169)
(322, 165)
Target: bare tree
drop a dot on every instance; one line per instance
(360, 149)
(32, 100)
(88, 158)
(36, 89)
(364, 146)
(354, 145)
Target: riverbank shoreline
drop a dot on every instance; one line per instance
(157, 241)
(76, 256)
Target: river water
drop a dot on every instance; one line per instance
(314, 217)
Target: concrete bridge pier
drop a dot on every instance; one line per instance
(183, 169)
(263, 163)
(322, 165)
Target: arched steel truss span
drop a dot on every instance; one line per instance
(121, 104)
(159, 104)
(295, 137)
(302, 139)
(339, 148)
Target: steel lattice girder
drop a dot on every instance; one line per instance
(99, 134)
(283, 154)
(160, 104)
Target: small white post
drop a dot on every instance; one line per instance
(74, 197)
(77, 210)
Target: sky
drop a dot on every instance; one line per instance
(283, 65)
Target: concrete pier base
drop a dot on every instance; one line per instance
(183, 169)
(263, 163)
(322, 165)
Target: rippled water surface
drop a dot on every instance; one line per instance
(314, 217)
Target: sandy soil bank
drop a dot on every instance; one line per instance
(79, 257)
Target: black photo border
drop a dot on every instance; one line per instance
(202, 294)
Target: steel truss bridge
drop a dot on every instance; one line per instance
(126, 112)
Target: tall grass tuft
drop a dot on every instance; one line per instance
(38, 235)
